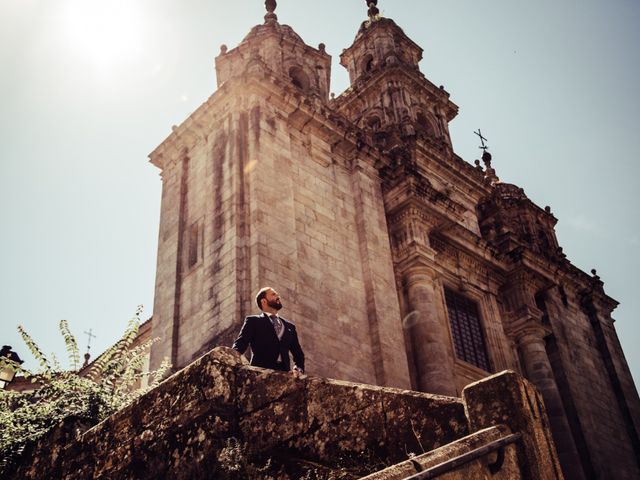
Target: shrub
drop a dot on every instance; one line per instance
(90, 394)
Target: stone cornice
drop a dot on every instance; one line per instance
(455, 240)
(554, 272)
(470, 174)
(539, 267)
(506, 200)
(595, 294)
(450, 166)
(309, 112)
(414, 258)
(526, 331)
(191, 131)
(463, 248)
(417, 192)
(411, 212)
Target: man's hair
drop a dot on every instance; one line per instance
(262, 293)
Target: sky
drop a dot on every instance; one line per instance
(89, 88)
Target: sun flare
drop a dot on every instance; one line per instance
(105, 34)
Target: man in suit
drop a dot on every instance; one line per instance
(270, 336)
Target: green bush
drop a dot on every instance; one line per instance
(90, 394)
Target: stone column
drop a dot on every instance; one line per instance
(531, 345)
(431, 345)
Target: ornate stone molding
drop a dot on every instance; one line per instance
(525, 326)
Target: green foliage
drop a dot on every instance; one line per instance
(237, 461)
(90, 394)
(71, 344)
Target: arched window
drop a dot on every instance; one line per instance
(468, 337)
(299, 78)
(367, 63)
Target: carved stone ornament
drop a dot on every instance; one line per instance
(270, 5)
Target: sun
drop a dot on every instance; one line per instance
(107, 35)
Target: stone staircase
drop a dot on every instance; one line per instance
(220, 418)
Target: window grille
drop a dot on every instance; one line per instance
(468, 338)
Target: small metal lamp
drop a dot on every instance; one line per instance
(7, 372)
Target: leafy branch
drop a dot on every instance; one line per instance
(91, 394)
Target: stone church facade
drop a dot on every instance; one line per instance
(401, 264)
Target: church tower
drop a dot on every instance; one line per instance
(265, 184)
(405, 117)
(400, 263)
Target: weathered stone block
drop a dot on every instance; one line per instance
(508, 399)
(417, 432)
(344, 419)
(271, 407)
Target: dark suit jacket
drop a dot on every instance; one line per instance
(258, 333)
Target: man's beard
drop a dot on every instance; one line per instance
(275, 304)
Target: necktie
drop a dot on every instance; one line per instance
(277, 325)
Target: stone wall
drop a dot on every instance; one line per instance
(289, 425)
(319, 238)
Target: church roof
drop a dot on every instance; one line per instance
(382, 21)
(269, 28)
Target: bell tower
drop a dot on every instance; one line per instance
(406, 118)
(389, 97)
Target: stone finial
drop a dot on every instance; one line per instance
(373, 9)
(486, 159)
(489, 173)
(270, 5)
